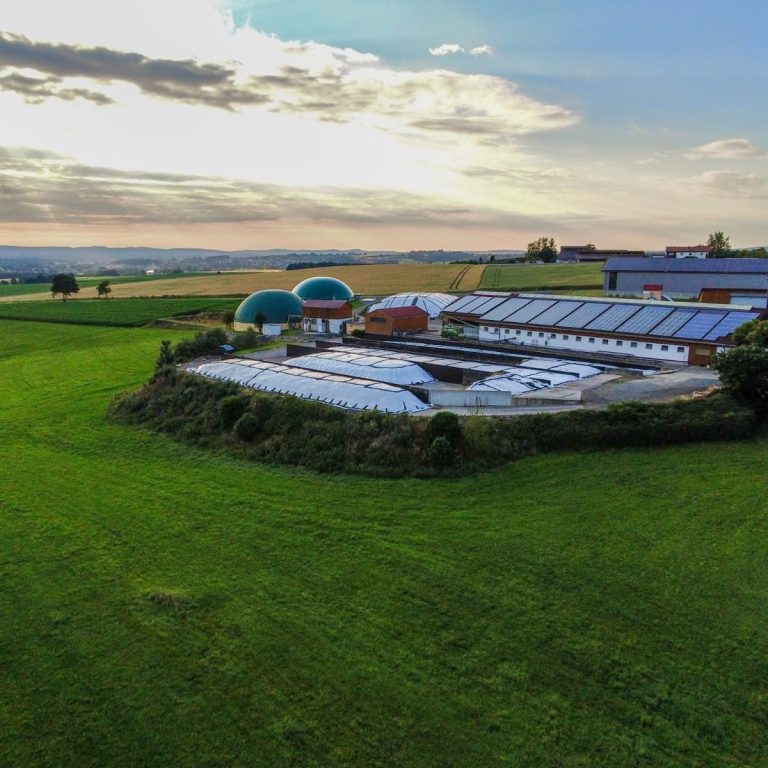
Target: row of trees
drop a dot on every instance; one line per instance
(65, 284)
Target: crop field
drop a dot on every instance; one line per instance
(541, 277)
(374, 279)
(120, 312)
(87, 285)
(167, 606)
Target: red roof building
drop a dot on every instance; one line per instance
(394, 321)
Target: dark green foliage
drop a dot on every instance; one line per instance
(204, 343)
(228, 317)
(358, 333)
(288, 430)
(445, 424)
(744, 372)
(247, 427)
(64, 284)
(248, 339)
(441, 453)
(166, 357)
(232, 408)
(754, 332)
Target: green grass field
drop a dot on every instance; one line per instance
(118, 312)
(164, 606)
(530, 277)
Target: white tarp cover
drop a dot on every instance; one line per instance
(378, 368)
(512, 384)
(432, 303)
(341, 391)
(580, 370)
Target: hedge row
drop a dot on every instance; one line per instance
(286, 430)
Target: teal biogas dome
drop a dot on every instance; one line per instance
(323, 288)
(276, 306)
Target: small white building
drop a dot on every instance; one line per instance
(687, 252)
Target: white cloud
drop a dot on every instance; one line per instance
(446, 48)
(733, 184)
(482, 50)
(727, 149)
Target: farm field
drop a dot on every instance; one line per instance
(538, 277)
(87, 285)
(373, 279)
(164, 605)
(120, 312)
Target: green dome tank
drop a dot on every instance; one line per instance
(324, 289)
(275, 305)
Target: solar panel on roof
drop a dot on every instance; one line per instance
(529, 311)
(646, 319)
(612, 318)
(557, 312)
(673, 322)
(585, 314)
(460, 303)
(504, 309)
(729, 324)
(486, 302)
(699, 325)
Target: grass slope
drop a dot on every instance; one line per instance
(119, 312)
(528, 277)
(164, 606)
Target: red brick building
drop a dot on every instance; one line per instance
(395, 321)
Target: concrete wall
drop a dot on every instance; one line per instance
(465, 398)
(580, 342)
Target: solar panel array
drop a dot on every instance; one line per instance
(642, 318)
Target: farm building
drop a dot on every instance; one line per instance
(575, 253)
(272, 309)
(432, 303)
(687, 252)
(665, 331)
(684, 278)
(323, 289)
(395, 321)
(326, 316)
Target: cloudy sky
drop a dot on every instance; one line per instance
(382, 124)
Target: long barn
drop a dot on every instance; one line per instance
(679, 332)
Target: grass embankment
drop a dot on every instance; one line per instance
(118, 312)
(543, 277)
(165, 606)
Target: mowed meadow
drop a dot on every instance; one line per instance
(165, 606)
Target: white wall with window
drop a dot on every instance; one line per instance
(583, 341)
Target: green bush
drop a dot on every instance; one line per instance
(232, 408)
(441, 453)
(445, 424)
(247, 427)
(204, 343)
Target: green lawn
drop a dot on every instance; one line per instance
(163, 606)
(530, 277)
(119, 312)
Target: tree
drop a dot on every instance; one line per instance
(166, 358)
(64, 284)
(544, 249)
(104, 289)
(719, 245)
(744, 372)
(755, 332)
(228, 318)
(259, 319)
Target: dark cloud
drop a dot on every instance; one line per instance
(186, 81)
(36, 90)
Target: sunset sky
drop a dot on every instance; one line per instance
(383, 124)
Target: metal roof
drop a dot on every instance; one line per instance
(708, 266)
(663, 319)
(399, 312)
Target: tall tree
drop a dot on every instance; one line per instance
(64, 284)
(104, 288)
(544, 249)
(259, 319)
(719, 245)
(228, 318)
